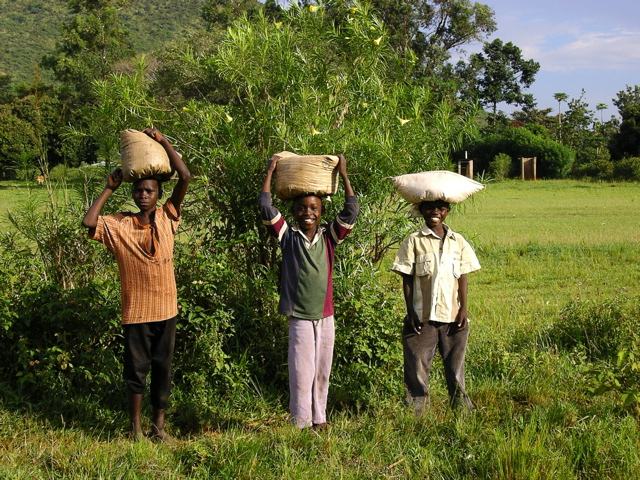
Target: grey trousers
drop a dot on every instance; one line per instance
(419, 351)
(310, 357)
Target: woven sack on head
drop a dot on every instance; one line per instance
(435, 185)
(143, 157)
(306, 175)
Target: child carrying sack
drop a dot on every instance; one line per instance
(435, 185)
(142, 157)
(306, 175)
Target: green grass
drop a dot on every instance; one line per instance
(551, 212)
(15, 195)
(543, 245)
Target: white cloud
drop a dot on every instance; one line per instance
(615, 50)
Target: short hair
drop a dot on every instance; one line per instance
(434, 203)
(160, 189)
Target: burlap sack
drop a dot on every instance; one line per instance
(435, 185)
(142, 157)
(306, 174)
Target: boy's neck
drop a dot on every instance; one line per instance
(145, 217)
(439, 230)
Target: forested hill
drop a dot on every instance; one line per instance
(29, 29)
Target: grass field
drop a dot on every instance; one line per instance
(553, 253)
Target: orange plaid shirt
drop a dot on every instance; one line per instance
(147, 280)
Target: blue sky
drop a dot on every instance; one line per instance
(590, 44)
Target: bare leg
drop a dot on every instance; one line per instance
(134, 401)
(157, 427)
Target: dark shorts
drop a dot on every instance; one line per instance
(149, 346)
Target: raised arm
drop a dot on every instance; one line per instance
(271, 167)
(342, 170)
(184, 175)
(114, 179)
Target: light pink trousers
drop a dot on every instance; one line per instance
(310, 357)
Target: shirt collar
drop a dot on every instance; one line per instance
(319, 233)
(426, 231)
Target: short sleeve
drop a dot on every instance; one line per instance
(106, 231)
(172, 215)
(468, 259)
(404, 261)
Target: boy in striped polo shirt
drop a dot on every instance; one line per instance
(143, 246)
(306, 292)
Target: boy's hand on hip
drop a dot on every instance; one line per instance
(415, 322)
(461, 321)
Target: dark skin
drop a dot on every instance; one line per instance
(145, 195)
(434, 214)
(145, 192)
(307, 211)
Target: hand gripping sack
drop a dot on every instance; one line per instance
(435, 185)
(142, 157)
(306, 175)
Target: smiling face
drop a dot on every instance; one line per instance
(307, 212)
(434, 213)
(145, 194)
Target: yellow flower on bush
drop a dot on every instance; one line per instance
(377, 41)
(315, 132)
(403, 121)
(313, 8)
(353, 10)
(278, 25)
(228, 118)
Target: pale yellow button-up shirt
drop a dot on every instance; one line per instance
(436, 266)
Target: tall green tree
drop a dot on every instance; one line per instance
(92, 41)
(602, 107)
(219, 14)
(435, 28)
(626, 142)
(431, 29)
(560, 97)
(498, 74)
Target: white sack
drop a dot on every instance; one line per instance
(142, 157)
(435, 185)
(306, 174)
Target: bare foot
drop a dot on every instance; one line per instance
(163, 437)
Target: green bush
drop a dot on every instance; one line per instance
(599, 328)
(500, 167)
(554, 160)
(600, 169)
(627, 169)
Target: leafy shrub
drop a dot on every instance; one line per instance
(500, 167)
(621, 376)
(627, 169)
(18, 140)
(600, 169)
(554, 160)
(64, 343)
(598, 327)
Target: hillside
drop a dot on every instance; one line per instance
(29, 29)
